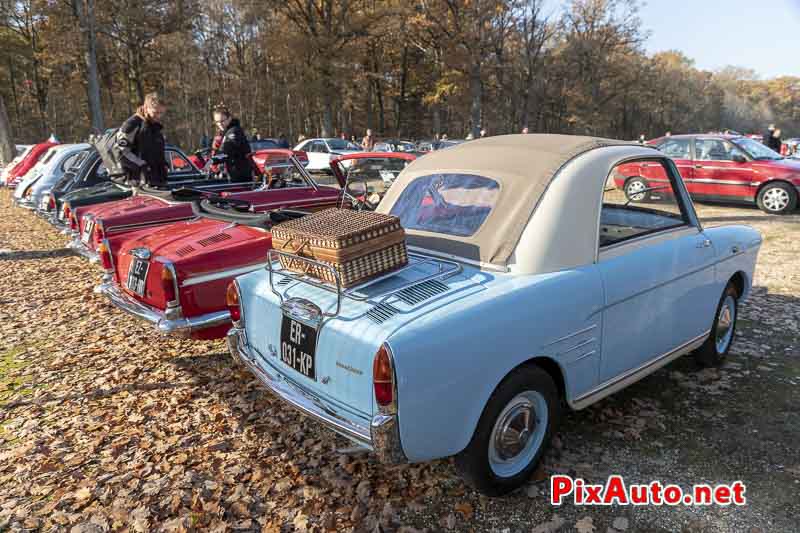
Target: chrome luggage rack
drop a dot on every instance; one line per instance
(444, 269)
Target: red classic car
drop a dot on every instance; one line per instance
(20, 169)
(723, 168)
(94, 222)
(176, 276)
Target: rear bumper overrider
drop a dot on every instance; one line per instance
(77, 245)
(167, 322)
(381, 435)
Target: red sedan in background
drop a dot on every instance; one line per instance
(722, 168)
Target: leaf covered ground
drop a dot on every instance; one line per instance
(106, 427)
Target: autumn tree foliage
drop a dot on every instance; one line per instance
(409, 69)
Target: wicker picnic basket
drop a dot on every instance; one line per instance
(358, 244)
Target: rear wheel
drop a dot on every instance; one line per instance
(777, 198)
(719, 341)
(636, 190)
(513, 432)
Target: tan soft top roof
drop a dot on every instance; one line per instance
(523, 166)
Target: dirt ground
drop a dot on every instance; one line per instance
(105, 426)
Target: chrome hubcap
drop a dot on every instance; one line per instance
(518, 434)
(776, 199)
(725, 321)
(635, 189)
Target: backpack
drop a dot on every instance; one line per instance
(106, 146)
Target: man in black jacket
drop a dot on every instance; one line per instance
(140, 144)
(234, 145)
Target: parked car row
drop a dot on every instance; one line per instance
(502, 314)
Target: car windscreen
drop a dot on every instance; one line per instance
(452, 204)
(756, 149)
(339, 144)
(263, 144)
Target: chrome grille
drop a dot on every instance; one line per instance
(424, 291)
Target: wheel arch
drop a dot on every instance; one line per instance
(740, 283)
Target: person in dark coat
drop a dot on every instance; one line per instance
(140, 144)
(283, 142)
(234, 145)
(775, 141)
(766, 138)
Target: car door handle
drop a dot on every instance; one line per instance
(705, 243)
(735, 249)
(698, 166)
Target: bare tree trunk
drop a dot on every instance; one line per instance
(6, 138)
(476, 94)
(86, 21)
(14, 91)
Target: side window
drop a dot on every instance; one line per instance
(177, 163)
(712, 150)
(68, 162)
(637, 206)
(321, 147)
(676, 148)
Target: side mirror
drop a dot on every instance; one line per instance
(739, 158)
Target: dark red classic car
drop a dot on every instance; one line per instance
(724, 168)
(94, 222)
(175, 276)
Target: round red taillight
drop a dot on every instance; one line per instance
(232, 301)
(383, 377)
(52, 204)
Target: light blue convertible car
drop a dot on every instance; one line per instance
(533, 282)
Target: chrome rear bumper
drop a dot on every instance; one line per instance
(381, 435)
(178, 326)
(82, 250)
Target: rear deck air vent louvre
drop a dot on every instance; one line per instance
(214, 239)
(183, 251)
(423, 291)
(284, 281)
(381, 313)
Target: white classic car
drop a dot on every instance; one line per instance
(533, 281)
(324, 150)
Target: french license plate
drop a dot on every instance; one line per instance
(137, 276)
(299, 346)
(88, 227)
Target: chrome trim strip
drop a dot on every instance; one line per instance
(82, 250)
(587, 342)
(635, 374)
(567, 337)
(156, 317)
(717, 182)
(188, 282)
(121, 227)
(584, 356)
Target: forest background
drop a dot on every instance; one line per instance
(409, 69)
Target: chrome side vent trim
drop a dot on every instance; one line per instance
(381, 312)
(424, 291)
(214, 239)
(183, 251)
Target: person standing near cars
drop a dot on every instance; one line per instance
(766, 138)
(775, 141)
(234, 144)
(368, 143)
(140, 144)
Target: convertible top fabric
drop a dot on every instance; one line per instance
(523, 165)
